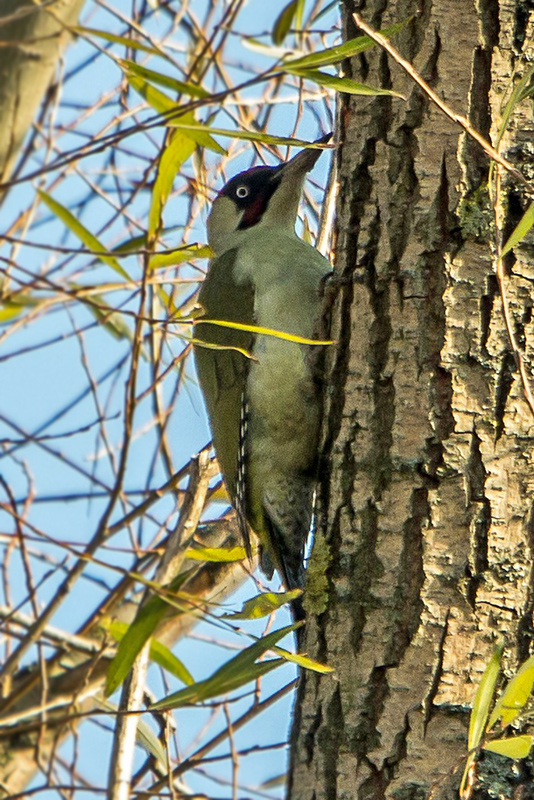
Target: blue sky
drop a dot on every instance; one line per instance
(48, 365)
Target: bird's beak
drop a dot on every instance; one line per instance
(303, 162)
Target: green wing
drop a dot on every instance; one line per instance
(223, 373)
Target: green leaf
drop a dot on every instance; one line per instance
(79, 230)
(216, 554)
(123, 40)
(284, 21)
(238, 671)
(163, 104)
(333, 55)
(515, 696)
(201, 134)
(483, 699)
(151, 76)
(513, 747)
(264, 604)
(139, 632)
(178, 255)
(523, 89)
(159, 101)
(166, 659)
(205, 690)
(159, 653)
(9, 311)
(145, 736)
(249, 136)
(241, 326)
(520, 231)
(137, 243)
(346, 85)
(304, 661)
(178, 150)
(267, 49)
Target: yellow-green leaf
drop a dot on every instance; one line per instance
(139, 632)
(159, 653)
(179, 255)
(264, 604)
(150, 75)
(520, 231)
(215, 687)
(483, 699)
(238, 671)
(178, 150)
(216, 554)
(249, 136)
(79, 230)
(241, 326)
(284, 21)
(123, 40)
(159, 101)
(333, 55)
(515, 696)
(9, 311)
(346, 85)
(146, 737)
(304, 661)
(512, 747)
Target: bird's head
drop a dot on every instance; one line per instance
(266, 197)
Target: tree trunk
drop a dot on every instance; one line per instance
(33, 36)
(426, 502)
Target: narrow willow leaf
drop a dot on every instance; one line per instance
(513, 747)
(216, 554)
(238, 671)
(10, 311)
(123, 40)
(304, 661)
(483, 699)
(241, 326)
(206, 690)
(137, 243)
(210, 346)
(159, 653)
(465, 789)
(267, 49)
(159, 101)
(178, 150)
(333, 55)
(79, 230)
(146, 737)
(179, 255)
(163, 104)
(150, 75)
(515, 696)
(284, 21)
(346, 85)
(139, 632)
(520, 231)
(264, 604)
(522, 90)
(299, 14)
(166, 659)
(249, 136)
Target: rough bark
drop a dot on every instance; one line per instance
(428, 475)
(32, 38)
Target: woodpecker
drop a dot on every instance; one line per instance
(262, 393)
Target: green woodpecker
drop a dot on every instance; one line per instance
(262, 392)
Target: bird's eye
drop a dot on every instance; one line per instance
(242, 192)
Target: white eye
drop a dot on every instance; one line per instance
(242, 192)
